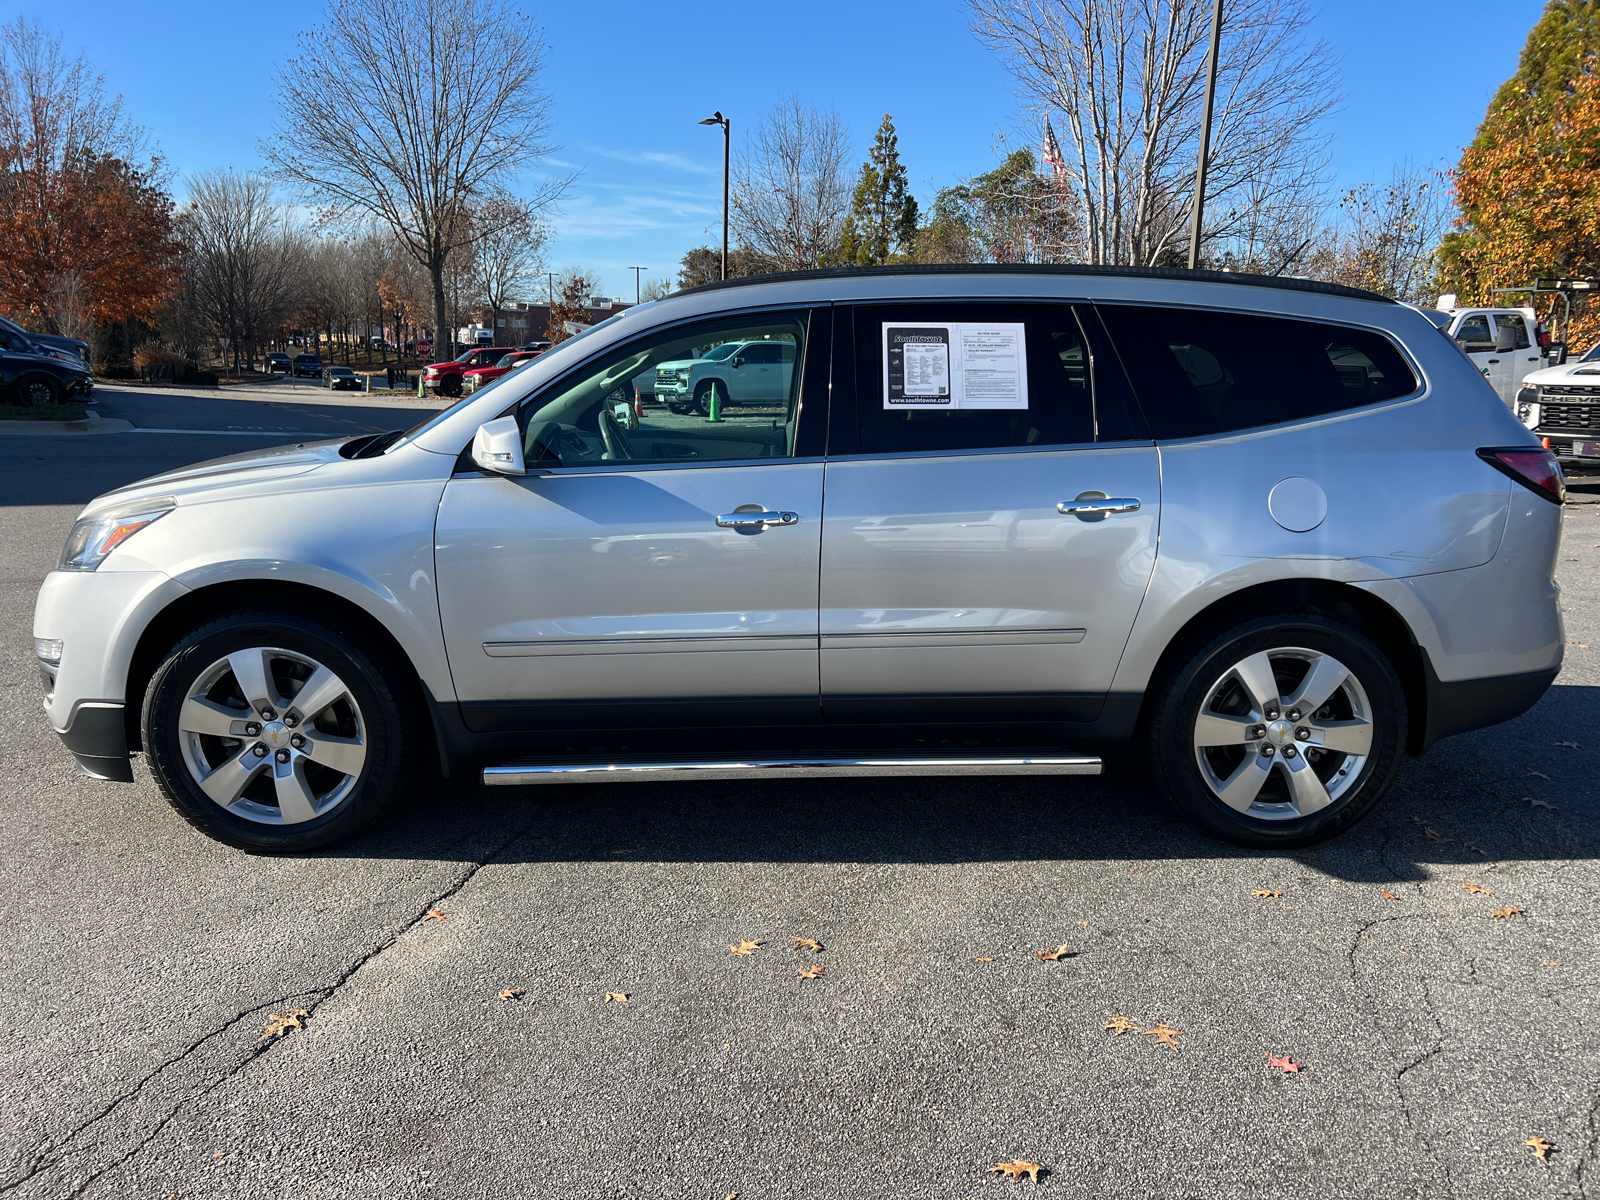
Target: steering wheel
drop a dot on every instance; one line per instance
(611, 433)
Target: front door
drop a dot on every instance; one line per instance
(1475, 335)
(988, 540)
(658, 576)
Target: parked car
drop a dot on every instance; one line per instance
(341, 379)
(1002, 518)
(275, 362)
(445, 378)
(69, 350)
(308, 365)
(741, 372)
(476, 378)
(1505, 344)
(31, 377)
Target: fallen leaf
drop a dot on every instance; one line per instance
(1550, 963)
(1540, 1147)
(1164, 1035)
(1131, 871)
(616, 997)
(1055, 955)
(1475, 848)
(1016, 1169)
(811, 972)
(511, 994)
(811, 944)
(1541, 775)
(278, 1025)
(624, 852)
(435, 915)
(1119, 1025)
(1263, 894)
(746, 947)
(1387, 895)
(1533, 803)
(1286, 1064)
(1508, 911)
(1085, 924)
(1433, 835)
(1305, 853)
(1476, 890)
(983, 960)
(219, 1154)
(1569, 745)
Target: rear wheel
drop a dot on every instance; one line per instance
(450, 386)
(1282, 731)
(275, 732)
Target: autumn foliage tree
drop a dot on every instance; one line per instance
(86, 228)
(1528, 188)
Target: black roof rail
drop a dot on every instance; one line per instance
(1234, 277)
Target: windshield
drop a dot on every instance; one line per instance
(1593, 355)
(722, 351)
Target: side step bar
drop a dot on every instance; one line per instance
(620, 770)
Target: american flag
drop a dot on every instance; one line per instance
(1051, 151)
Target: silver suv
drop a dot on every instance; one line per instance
(1276, 534)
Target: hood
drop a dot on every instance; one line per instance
(1587, 373)
(219, 474)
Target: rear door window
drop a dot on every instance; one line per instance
(975, 376)
(1197, 372)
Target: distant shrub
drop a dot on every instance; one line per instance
(154, 353)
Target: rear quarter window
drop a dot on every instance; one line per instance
(1197, 372)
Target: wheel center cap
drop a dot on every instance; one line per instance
(1278, 732)
(275, 733)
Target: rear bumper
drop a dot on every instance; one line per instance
(1463, 705)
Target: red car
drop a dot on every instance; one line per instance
(477, 377)
(445, 377)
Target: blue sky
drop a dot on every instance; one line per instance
(630, 79)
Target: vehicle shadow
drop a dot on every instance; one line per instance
(1506, 793)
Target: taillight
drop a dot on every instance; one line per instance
(1535, 469)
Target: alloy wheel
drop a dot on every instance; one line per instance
(1283, 733)
(272, 735)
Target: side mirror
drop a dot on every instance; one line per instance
(497, 447)
(737, 362)
(1505, 338)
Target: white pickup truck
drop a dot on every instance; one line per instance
(1561, 405)
(746, 372)
(1504, 343)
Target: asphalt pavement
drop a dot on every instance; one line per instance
(142, 962)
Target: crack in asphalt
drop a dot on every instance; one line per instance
(320, 995)
(1581, 1177)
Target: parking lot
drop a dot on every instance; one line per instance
(1427, 982)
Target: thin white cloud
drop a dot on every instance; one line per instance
(658, 158)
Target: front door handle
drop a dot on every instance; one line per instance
(756, 519)
(1097, 506)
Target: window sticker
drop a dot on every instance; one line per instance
(954, 364)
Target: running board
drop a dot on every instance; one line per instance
(645, 770)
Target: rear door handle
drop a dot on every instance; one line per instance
(1089, 506)
(756, 519)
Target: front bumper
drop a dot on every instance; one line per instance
(1577, 446)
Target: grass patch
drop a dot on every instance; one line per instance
(42, 412)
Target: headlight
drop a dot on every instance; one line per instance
(94, 537)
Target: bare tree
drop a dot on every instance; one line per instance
(571, 302)
(415, 110)
(508, 254)
(245, 262)
(656, 289)
(791, 191)
(1128, 77)
(1384, 237)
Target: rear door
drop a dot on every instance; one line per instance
(990, 519)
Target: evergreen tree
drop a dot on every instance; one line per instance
(883, 213)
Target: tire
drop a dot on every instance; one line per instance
(201, 739)
(37, 391)
(702, 398)
(1220, 773)
(450, 386)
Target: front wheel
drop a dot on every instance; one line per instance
(38, 391)
(278, 732)
(1283, 731)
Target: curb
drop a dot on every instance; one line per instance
(90, 424)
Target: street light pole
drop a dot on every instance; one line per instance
(636, 292)
(717, 118)
(1205, 135)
